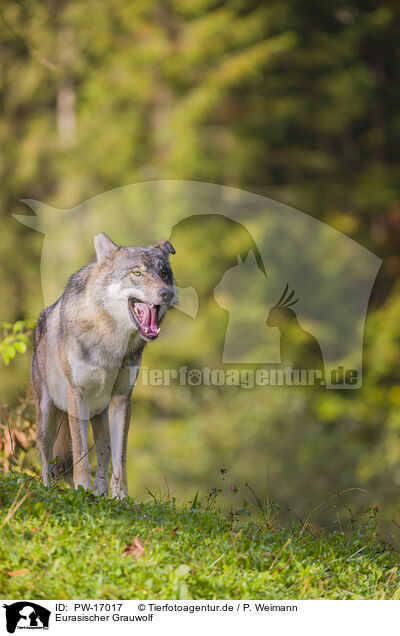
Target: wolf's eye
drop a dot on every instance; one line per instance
(164, 274)
(136, 272)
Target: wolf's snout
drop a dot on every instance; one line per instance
(166, 295)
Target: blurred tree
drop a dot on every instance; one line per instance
(298, 101)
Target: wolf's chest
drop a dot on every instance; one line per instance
(95, 385)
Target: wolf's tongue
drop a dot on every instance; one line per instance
(147, 317)
(153, 319)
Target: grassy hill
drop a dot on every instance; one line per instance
(65, 544)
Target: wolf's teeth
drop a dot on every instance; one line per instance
(158, 330)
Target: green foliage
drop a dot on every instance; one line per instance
(294, 100)
(14, 338)
(189, 552)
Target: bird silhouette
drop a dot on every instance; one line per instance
(299, 349)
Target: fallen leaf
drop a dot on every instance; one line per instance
(17, 572)
(174, 531)
(136, 549)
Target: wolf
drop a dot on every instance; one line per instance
(88, 348)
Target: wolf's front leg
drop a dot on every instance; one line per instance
(78, 417)
(101, 437)
(119, 417)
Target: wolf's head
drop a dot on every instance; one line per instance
(135, 285)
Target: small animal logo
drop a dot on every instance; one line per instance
(194, 377)
(26, 615)
(299, 349)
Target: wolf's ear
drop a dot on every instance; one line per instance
(165, 246)
(104, 246)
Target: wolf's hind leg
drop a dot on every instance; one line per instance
(63, 449)
(101, 435)
(46, 430)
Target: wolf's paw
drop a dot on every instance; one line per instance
(100, 486)
(119, 487)
(119, 493)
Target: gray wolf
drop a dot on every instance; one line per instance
(88, 348)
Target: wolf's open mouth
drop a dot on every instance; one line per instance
(145, 317)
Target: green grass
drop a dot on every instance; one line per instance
(61, 544)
